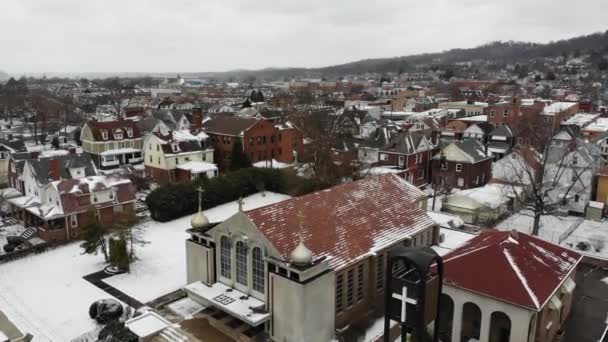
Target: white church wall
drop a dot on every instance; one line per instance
(199, 263)
(520, 317)
(303, 312)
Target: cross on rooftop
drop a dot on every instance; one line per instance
(240, 202)
(200, 197)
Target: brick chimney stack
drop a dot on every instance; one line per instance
(197, 120)
(55, 169)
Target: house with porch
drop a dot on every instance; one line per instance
(112, 144)
(299, 269)
(506, 287)
(58, 192)
(178, 156)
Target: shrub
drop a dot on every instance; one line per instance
(583, 246)
(176, 200)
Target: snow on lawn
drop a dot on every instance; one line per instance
(551, 227)
(161, 267)
(45, 294)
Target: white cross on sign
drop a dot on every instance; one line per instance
(404, 302)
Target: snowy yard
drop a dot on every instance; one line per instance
(45, 294)
(162, 265)
(567, 231)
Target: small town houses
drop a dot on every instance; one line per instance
(58, 192)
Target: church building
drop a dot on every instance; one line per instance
(507, 287)
(300, 269)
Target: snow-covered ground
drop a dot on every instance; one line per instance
(567, 231)
(162, 265)
(45, 294)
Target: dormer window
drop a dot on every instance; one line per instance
(104, 135)
(118, 134)
(130, 132)
(175, 147)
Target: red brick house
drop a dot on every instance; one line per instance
(466, 164)
(411, 152)
(260, 139)
(514, 112)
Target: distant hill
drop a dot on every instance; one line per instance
(504, 52)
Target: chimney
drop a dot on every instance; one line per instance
(55, 169)
(197, 120)
(514, 234)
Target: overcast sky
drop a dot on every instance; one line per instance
(216, 35)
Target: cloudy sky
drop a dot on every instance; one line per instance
(216, 35)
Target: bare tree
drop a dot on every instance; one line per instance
(42, 116)
(323, 134)
(543, 183)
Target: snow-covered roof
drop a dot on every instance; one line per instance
(580, 119)
(197, 166)
(512, 267)
(452, 239)
(558, 107)
(147, 324)
(268, 164)
(186, 135)
(476, 118)
(600, 125)
(446, 220)
(491, 195)
(346, 222)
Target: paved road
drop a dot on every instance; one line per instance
(590, 308)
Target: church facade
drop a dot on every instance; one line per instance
(300, 269)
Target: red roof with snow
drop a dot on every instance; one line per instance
(346, 222)
(516, 268)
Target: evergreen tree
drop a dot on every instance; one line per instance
(261, 96)
(238, 158)
(119, 256)
(246, 104)
(55, 142)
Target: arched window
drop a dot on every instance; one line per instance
(500, 327)
(225, 257)
(471, 322)
(258, 269)
(241, 263)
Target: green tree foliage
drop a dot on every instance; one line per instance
(238, 158)
(119, 255)
(176, 200)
